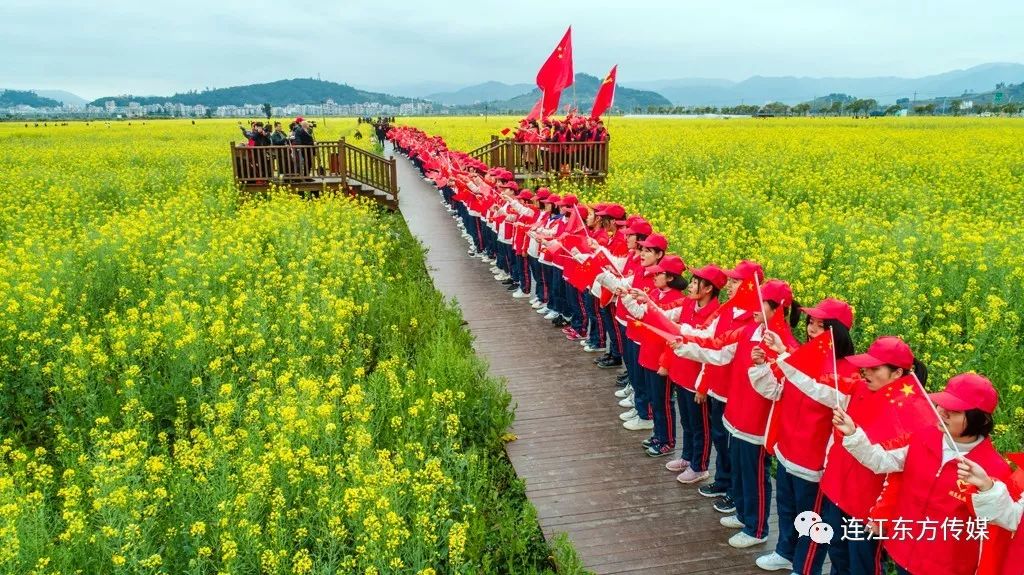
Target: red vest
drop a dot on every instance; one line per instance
(652, 345)
(645, 284)
(684, 371)
(747, 410)
(717, 378)
(633, 268)
(805, 426)
(888, 417)
(932, 491)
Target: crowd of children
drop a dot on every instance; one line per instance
(863, 453)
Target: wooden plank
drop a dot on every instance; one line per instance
(585, 474)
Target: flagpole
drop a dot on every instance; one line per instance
(835, 368)
(945, 429)
(757, 284)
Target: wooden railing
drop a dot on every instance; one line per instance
(330, 163)
(370, 169)
(545, 159)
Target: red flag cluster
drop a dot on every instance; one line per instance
(557, 74)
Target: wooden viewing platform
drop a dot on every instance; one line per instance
(542, 161)
(333, 167)
(586, 475)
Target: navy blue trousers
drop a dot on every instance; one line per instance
(695, 426)
(751, 486)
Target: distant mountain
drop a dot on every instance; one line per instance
(414, 90)
(792, 90)
(585, 90)
(11, 98)
(486, 92)
(63, 97)
(279, 93)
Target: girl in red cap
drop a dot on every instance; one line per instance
(694, 418)
(888, 403)
(650, 252)
(746, 413)
(801, 423)
(929, 499)
(667, 294)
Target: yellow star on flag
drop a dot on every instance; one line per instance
(908, 389)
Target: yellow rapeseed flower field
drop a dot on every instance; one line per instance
(192, 381)
(917, 222)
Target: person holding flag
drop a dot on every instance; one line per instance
(650, 251)
(746, 414)
(666, 294)
(887, 402)
(712, 386)
(695, 418)
(623, 253)
(805, 386)
(928, 464)
(1001, 503)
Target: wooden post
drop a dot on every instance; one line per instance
(234, 162)
(394, 178)
(342, 163)
(495, 159)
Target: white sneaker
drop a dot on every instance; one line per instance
(624, 392)
(533, 300)
(494, 269)
(536, 304)
(637, 424)
(731, 521)
(741, 540)
(551, 315)
(502, 276)
(543, 310)
(626, 402)
(774, 562)
(519, 294)
(628, 415)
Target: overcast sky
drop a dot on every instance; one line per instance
(107, 47)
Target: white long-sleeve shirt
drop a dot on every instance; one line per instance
(881, 460)
(998, 507)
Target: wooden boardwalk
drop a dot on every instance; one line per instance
(586, 475)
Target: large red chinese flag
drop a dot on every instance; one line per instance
(556, 73)
(605, 94)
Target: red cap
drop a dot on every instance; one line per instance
(509, 185)
(831, 308)
(745, 270)
(299, 119)
(967, 391)
(599, 206)
(671, 264)
(713, 274)
(657, 241)
(542, 194)
(584, 212)
(639, 228)
(777, 291)
(525, 195)
(553, 199)
(887, 349)
(569, 200)
(614, 211)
